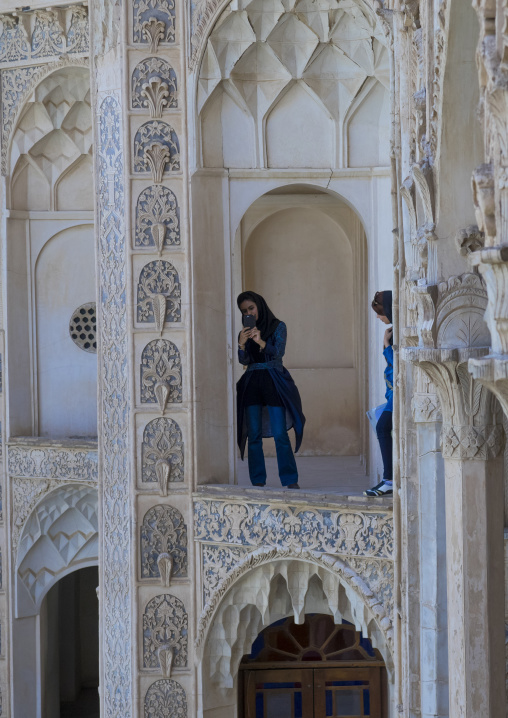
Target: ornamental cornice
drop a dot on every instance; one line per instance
(53, 461)
(342, 531)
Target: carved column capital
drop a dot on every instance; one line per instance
(471, 422)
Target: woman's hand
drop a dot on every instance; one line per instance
(387, 337)
(245, 334)
(256, 335)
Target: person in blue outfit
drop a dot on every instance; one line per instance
(268, 401)
(382, 305)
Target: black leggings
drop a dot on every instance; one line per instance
(384, 435)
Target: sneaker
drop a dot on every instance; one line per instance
(292, 486)
(382, 489)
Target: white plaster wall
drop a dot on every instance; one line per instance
(66, 374)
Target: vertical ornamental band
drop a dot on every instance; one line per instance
(115, 613)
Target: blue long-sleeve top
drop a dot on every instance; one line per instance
(388, 355)
(269, 359)
(275, 348)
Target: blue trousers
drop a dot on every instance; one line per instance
(288, 472)
(384, 435)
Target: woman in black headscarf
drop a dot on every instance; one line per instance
(382, 305)
(267, 398)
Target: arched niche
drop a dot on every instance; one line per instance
(303, 250)
(273, 590)
(66, 375)
(59, 536)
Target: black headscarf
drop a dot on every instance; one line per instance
(267, 323)
(387, 305)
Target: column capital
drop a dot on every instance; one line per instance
(472, 426)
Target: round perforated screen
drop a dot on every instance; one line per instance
(83, 327)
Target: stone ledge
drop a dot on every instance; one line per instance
(321, 497)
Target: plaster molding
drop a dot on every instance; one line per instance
(52, 462)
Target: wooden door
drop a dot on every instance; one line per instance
(279, 693)
(347, 693)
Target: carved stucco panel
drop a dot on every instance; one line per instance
(352, 532)
(114, 436)
(165, 623)
(163, 531)
(165, 699)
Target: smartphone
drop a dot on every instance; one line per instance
(249, 321)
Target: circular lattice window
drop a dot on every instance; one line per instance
(83, 327)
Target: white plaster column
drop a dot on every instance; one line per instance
(432, 546)
(114, 364)
(472, 439)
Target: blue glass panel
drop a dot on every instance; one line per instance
(346, 683)
(298, 705)
(366, 701)
(280, 685)
(367, 646)
(260, 707)
(329, 703)
(348, 703)
(278, 705)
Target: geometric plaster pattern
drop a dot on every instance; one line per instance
(164, 625)
(163, 531)
(53, 136)
(157, 207)
(162, 443)
(165, 699)
(114, 434)
(18, 84)
(259, 54)
(269, 585)
(60, 532)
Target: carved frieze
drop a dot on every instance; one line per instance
(48, 37)
(52, 462)
(154, 86)
(165, 699)
(217, 562)
(14, 43)
(157, 218)
(78, 39)
(352, 532)
(472, 442)
(161, 373)
(156, 149)
(159, 279)
(163, 531)
(148, 13)
(425, 408)
(162, 444)
(165, 623)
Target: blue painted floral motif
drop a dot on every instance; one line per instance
(147, 70)
(47, 38)
(156, 133)
(160, 366)
(78, 36)
(146, 10)
(13, 41)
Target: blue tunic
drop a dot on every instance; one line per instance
(388, 355)
(284, 384)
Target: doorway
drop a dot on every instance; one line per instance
(313, 670)
(70, 647)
